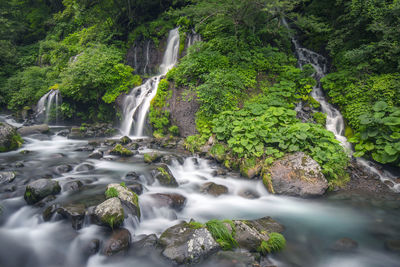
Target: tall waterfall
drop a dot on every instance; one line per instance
(46, 105)
(334, 119)
(136, 105)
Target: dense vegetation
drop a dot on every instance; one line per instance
(243, 72)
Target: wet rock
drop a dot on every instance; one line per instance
(249, 194)
(133, 146)
(39, 189)
(174, 201)
(119, 150)
(19, 164)
(297, 175)
(88, 148)
(148, 241)
(345, 244)
(34, 129)
(6, 177)
(232, 259)
(74, 213)
(72, 186)
(136, 188)
(213, 189)
(119, 241)
(110, 212)
(393, 245)
(125, 140)
(164, 176)
(219, 172)
(42, 203)
(62, 169)
(128, 198)
(64, 132)
(266, 224)
(247, 236)
(184, 245)
(92, 247)
(132, 176)
(151, 157)
(84, 167)
(49, 211)
(169, 159)
(9, 138)
(96, 154)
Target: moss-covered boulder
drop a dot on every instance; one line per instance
(164, 176)
(39, 189)
(127, 196)
(9, 138)
(110, 212)
(296, 174)
(121, 151)
(250, 168)
(151, 157)
(125, 140)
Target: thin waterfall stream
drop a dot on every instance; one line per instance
(334, 119)
(136, 104)
(47, 108)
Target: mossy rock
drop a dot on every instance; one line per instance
(121, 151)
(218, 152)
(110, 212)
(164, 176)
(250, 168)
(39, 189)
(9, 138)
(127, 196)
(151, 157)
(125, 140)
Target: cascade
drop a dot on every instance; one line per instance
(135, 106)
(334, 119)
(51, 100)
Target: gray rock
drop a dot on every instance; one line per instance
(92, 247)
(132, 176)
(34, 129)
(173, 201)
(9, 138)
(110, 212)
(232, 259)
(148, 241)
(64, 132)
(72, 186)
(266, 224)
(128, 198)
(74, 213)
(248, 237)
(297, 175)
(345, 244)
(119, 241)
(213, 189)
(184, 245)
(136, 188)
(62, 169)
(96, 154)
(6, 177)
(39, 189)
(164, 176)
(84, 167)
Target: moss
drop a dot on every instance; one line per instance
(113, 220)
(151, 157)
(122, 151)
(15, 142)
(320, 118)
(111, 192)
(125, 140)
(348, 132)
(266, 178)
(221, 233)
(218, 151)
(165, 174)
(195, 225)
(275, 243)
(249, 167)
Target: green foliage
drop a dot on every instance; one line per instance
(319, 118)
(111, 192)
(192, 224)
(221, 233)
(121, 151)
(275, 243)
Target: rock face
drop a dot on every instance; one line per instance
(34, 129)
(164, 176)
(39, 189)
(9, 138)
(297, 175)
(184, 245)
(118, 241)
(110, 212)
(128, 198)
(145, 57)
(213, 189)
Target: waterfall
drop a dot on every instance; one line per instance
(334, 119)
(193, 38)
(135, 106)
(50, 101)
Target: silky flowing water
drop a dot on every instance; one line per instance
(312, 225)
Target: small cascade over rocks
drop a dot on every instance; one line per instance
(47, 104)
(135, 106)
(334, 119)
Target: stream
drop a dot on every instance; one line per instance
(312, 225)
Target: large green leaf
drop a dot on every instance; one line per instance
(380, 106)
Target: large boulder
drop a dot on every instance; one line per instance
(39, 189)
(34, 129)
(74, 213)
(248, 237)
(119, 241)
(128, 198)
(296, 175)
(9, 138)
(110, 212)
(185, 244)
(164, 176)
